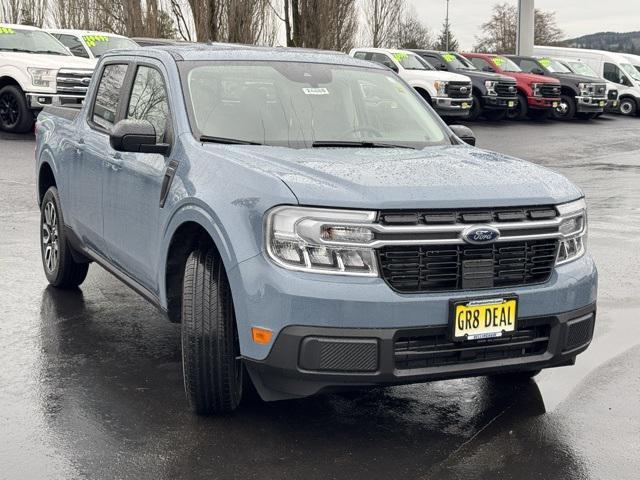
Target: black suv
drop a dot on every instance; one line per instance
(582, 97)
(493, 94)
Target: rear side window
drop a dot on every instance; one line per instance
(73, 44)
(105, 106)
(149, 100)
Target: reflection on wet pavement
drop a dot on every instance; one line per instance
(90, 380)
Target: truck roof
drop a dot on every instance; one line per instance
(18, 26)
(228, 51)
(72, 31)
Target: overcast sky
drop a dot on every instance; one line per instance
(575, 17)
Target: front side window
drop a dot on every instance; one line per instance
(383, 59)
(613, 73)
(105, 106)
(148, 100)
(73, 44)
(457, 62)
(29, 41)
(529, 66)
(505, 64)
(360, 55)
(480, 63)
(298, 105)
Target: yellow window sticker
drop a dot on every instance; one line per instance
(400, 56)
(545, 62)
(91, 40)
(7, 30)
(449, 57)
(499, 61)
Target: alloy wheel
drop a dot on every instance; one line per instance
(50, 246)
(9, 110)
(626, 108)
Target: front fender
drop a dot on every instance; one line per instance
(424, 86)
(14, 73)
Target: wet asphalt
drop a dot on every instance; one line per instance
(90, 380)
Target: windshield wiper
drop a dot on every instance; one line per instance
(352, 144)
(5, 49)
(226, 141)
(50, 52)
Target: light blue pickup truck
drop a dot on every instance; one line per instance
(312, 224)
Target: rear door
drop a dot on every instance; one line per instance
(133, 184)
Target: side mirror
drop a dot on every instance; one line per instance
(464, 133)
(442, 66)
(488, 69)
(137, 136)
(538, 71)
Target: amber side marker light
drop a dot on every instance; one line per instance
(261, 336)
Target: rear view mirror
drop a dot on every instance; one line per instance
(464, 133)
(137, 136)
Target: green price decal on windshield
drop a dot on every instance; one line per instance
(499, 61)
(545, 62)
(449, 57)
(91, 40)
(400, 56)
(6, 30)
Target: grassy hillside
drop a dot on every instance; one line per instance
(612, 41)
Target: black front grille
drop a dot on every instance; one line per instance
(467, 216)
(506, 89)
(459, 89)
(550, 91)
(433, 348)
(599, 90)
(73, 82)
(427, 268)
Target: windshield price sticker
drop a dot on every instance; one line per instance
(91, 40)
(400, 56)
(545, 62)
(6, 30)
(315, 91)
(449, 57)
(498, 60)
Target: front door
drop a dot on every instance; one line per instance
(132, 186)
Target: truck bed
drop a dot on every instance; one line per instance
(68, 113)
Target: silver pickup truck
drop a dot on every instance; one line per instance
(312, 223)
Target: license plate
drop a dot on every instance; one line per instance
(603, 103)
(555, 104)
(465, 105)
(483, 318)
(512, 104)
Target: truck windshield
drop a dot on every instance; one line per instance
(631, 71)
(458, 62)
(506, 64)
(553, 66)
(411, 61)
(99, 43)
(29, 41)
(581, 69)
(300, 105)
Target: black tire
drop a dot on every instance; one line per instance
(586, 116)
(60, 268)
(213, 372)
(566, 109)
(15, 115)
(539, 114)
(520, 111)
(476, 109)
(514, 377)
(628, 107)
(495, 115)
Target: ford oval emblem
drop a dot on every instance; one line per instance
(464, 89)
(482, 234)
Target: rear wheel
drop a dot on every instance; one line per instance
(15, 115)
(212, 369)
(628, 107)
(520, 111)
(566, 109)
(60, 268)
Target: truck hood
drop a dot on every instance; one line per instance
(38, 60)
(436, 177)
(432, 75)
(479, 74)
(576, 79)
(533, 78)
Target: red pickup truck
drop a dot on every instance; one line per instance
(538, 95)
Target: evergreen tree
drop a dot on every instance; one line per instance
(446, 40)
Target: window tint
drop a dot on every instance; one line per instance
(109, 91)
(74, 45)
(149, 100)
(360, 55)
(383, 60)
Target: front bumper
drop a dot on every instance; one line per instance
(452, 107)
(307, 360)
(543, 103)
(613, 106)
(38, 101)
(491, 102)
(591, 104)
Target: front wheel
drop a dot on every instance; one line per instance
(566, 109)
(520, 111)
(60, 268)
(211, 365)
(495, 115)
(15, 116)
(628, 107)
(515, 377)
(476, 109)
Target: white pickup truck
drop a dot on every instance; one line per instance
(450, 94)
(36, 70)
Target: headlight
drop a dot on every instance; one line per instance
(491, 87)
(537, 89)
(321, 240)
(573, 228)
(586, 89)
(441, 88)
(42, 77)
